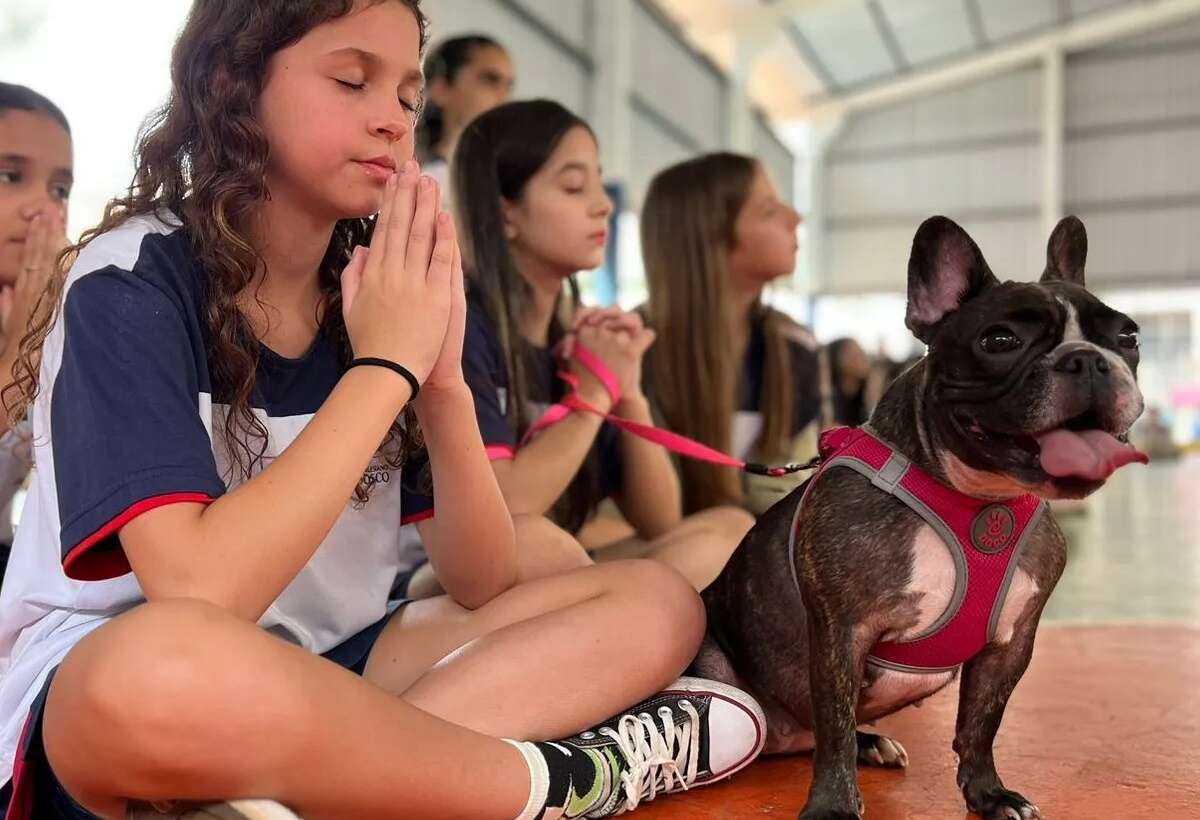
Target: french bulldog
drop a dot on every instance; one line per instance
(1027, 392)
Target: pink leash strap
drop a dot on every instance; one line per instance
(673, 442)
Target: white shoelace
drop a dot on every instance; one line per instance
(653, 766)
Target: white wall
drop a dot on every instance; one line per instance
(1131, 170)
(971, 153)
(778, 159)
(668, 75)
(1133, 157)
(545, 67)
(677, 101)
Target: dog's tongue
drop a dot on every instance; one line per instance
(1089, 454)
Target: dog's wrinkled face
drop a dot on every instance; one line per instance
(1030, 387)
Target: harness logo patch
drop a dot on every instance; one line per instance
(993, 528)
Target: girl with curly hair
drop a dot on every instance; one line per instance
(225, 407)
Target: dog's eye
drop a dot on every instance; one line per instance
(1128, 338)
(999, 340)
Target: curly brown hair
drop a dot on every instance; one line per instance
(203, 157)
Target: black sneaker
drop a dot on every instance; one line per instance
(693, 733)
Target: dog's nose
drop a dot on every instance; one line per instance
(1078, 362)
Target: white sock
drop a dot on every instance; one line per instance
(539, 779)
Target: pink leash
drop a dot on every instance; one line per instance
(672, 441)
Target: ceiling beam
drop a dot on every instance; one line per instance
(1064, 12)
(887, 33)
(809, 56)
(1079, 35)
(768, 16)
(975, 21)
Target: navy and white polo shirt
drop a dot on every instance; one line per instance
(486, 373)
(125, 422)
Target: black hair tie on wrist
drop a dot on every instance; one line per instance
(392, 366)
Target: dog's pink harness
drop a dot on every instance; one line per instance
(985, 539)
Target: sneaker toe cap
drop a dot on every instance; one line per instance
(737, 731)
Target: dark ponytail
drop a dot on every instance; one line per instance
(445, 61)
(497, 154)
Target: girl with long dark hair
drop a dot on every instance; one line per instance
(533, 213)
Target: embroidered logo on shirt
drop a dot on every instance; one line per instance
(376, 474)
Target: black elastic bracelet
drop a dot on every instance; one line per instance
(395, 368)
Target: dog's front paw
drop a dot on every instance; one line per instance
(1004, 805)
(877, 750)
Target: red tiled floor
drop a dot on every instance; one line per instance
(1104, 726)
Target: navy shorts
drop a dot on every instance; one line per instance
(34, 793)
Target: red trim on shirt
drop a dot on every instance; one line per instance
(82, 563)
(415, 517)
(500, 452)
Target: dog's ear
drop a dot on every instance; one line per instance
(945, 270)
(1066, 252)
